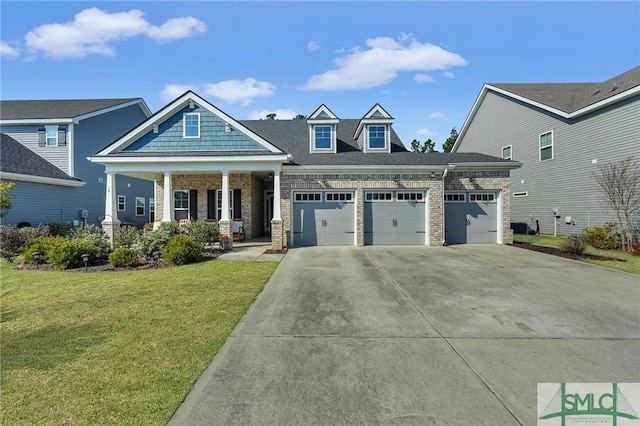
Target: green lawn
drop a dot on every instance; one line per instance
(115, 347)
(631, 263)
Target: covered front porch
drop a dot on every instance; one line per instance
(196, 194)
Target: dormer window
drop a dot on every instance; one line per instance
(377, 137)
(191, 127)
(322, 137)
(323, 125)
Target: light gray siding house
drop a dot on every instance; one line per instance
(45, 145)
(560, 133)
(320, 181)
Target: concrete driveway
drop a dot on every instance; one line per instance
(419, 335)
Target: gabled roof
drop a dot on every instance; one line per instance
(292, 137)
(566, 100)
(188, 98)
(70, 110)
(322, 114)
(17, 162)
(376, 114)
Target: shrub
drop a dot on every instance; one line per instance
(151, 242)
(124, 256)
(574, 245)
(68, 254)
(602, 237)
(60, 229)
(43, 245)
(182, 249)
(95, 239)
(205, 233)
(10, 241)
(127, 237)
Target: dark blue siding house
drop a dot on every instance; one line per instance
(44, 149)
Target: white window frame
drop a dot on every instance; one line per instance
(314, 147)
(219, 204)
(378, 197)
(174, 201)
(184, 125)
(138, 199)
(54, 130)
(540, 147)
(510, 156)
(152, 209)
(451, 195)
(385, 148)
(122, 201)
(484, 197)
(307, 197)
(344, 197)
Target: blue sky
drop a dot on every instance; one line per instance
(424, 62)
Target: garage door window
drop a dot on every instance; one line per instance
(308, 196)
(379, 196)
(410, 196)
(339, 196)
(485, 198)
(455, 198)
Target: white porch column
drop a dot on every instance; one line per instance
(276, 195)
(225, 196)
(111, 200)
(167, 208)
(111, 224)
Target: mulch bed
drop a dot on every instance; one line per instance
(561, 253)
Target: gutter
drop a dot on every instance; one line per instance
(444, 175)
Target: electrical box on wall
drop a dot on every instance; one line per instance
(84, 214)
(557, 212)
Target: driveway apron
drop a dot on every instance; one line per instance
(418, 335)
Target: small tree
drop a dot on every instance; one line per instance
(447, 146)
(5, 198)
(271, 116)
(300, 117)
(428, 146)
(619, 185)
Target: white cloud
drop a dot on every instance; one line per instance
(7, 51)
(172, 91)
(92, 30)
(437, 115)
(448, 74)
(381, 62)
(426, 132)
(313, 45)
(239, 91)
(423, 78)
(281, 114)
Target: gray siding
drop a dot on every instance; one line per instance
(566, 180)
(28, 136)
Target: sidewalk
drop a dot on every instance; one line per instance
(252, 250)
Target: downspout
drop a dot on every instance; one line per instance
(444, 175)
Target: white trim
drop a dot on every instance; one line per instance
(313, 118)
(367, 119)
(332, 138)
(357, 169)
(124, 203)
(140, 101)
(235, 159)
(499, 200)
(71, 150)
(47, 128)
(144, 206)
(578, 113)
(184, 125)
(40, 179)
(510, 152)
(541, 148)
(464, 194)
(35, 122)
(172, 109)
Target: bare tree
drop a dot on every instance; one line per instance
(619, 184)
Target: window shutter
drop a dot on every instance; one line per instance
(237, 204)
(62, 136)
(193, 204)
(42, 137)
(211, 204)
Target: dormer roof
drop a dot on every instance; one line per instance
(376, 115)
(323, 115)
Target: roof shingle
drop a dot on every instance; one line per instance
(52, 109)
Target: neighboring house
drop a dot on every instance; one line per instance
(560, 133)
(45, 145)
(319, 181)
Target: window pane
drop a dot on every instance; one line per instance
(546, 153)
(376, 137)
(506, 153)
(322, 137)
(191, 125)
(181, 199)
(52, 135)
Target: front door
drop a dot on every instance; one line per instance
(268, 210)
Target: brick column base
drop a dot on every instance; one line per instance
(277, 240)
(110, 228)
(226, 227)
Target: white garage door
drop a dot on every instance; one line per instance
(323, 219)
(470, 218)
(394, 218)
